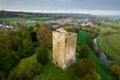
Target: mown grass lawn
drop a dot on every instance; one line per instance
(111, 46)
(100, 68)
(51, 72)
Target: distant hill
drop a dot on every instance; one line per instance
(4, 14)
(31, 15)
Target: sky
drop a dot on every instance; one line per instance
(95, 7)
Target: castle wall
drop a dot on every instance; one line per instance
(64, 48)
(70, 47)
(58, 49)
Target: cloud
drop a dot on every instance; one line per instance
(97, 7)
(98, 12)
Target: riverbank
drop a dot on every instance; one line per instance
(102, 55)
(82, 37)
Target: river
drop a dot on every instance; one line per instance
(103, 57)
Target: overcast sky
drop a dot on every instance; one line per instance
(97, 7)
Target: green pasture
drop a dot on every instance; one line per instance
(14, 20)
(11, 19)
(42, 18)
(112, 24)
(105, 29)
(111, 45)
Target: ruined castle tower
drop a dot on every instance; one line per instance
(64, 48)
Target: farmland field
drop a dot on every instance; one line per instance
(114, 24)
(11, 19)
(111, 24)
(29, 22)
(111, 45)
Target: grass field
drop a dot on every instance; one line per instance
(111, 24)
(40, 20)
(111, 46)
(105, 29)
(12, 19)
(100, 68)
(33, 23)
(51, 72)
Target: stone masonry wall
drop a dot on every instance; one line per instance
(64, 48)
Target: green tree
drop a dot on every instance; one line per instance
(91, 36)
(84, 52)
(42, 55)
(2, 75)
(34, 36)
(115, 70)
(13, 46)
(78, 49)
(85, 70)
(37, 26)
(27, 70)
(22, 26)
(6, 57)
(44, 36)
(22, 43)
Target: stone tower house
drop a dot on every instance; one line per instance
(64, 48)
